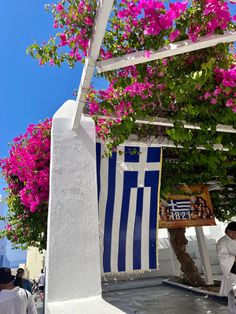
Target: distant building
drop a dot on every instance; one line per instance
(3, 242)
(34, 263)
(3, 258)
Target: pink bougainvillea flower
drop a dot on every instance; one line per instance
(59, 7)
(207, 95)
(213, 101)
(174, 35)
(147, 54)
(27, 167)
(63, 40)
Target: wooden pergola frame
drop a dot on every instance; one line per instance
(74, 152)
(102, 15)
(165, 52)
(222, 128)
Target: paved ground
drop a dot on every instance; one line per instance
(149, 296)
(154, 298)
(39, 306)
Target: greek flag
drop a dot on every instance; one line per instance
(179, 205)
(128, 195)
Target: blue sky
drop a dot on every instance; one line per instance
(28, 92)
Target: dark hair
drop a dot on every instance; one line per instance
(42, 270)
(231, 226)
(5, 275)
(20, 270)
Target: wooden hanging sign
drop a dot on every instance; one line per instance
(190, 209)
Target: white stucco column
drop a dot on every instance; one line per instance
(176, 267)
(73, 276)
(206, 265)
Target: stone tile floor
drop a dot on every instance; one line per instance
(149, 296)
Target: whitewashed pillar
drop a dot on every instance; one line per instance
(205, 261)
(73, 276)
(176, 267)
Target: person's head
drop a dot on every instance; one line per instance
(20, 273)
(231, 230)
(6, 278)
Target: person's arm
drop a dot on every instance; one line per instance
(31, 308)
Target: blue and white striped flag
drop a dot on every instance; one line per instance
(179, 205)
(128, 191)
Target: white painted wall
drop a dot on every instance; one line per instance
(73, 276)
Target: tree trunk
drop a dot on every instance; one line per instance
(178, 242)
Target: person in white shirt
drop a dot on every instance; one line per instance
(226, 249)
(41, 284)
(14, 300)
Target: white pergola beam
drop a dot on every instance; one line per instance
(166, 51)
(102, 15)
(169, 123)
(163, 141)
